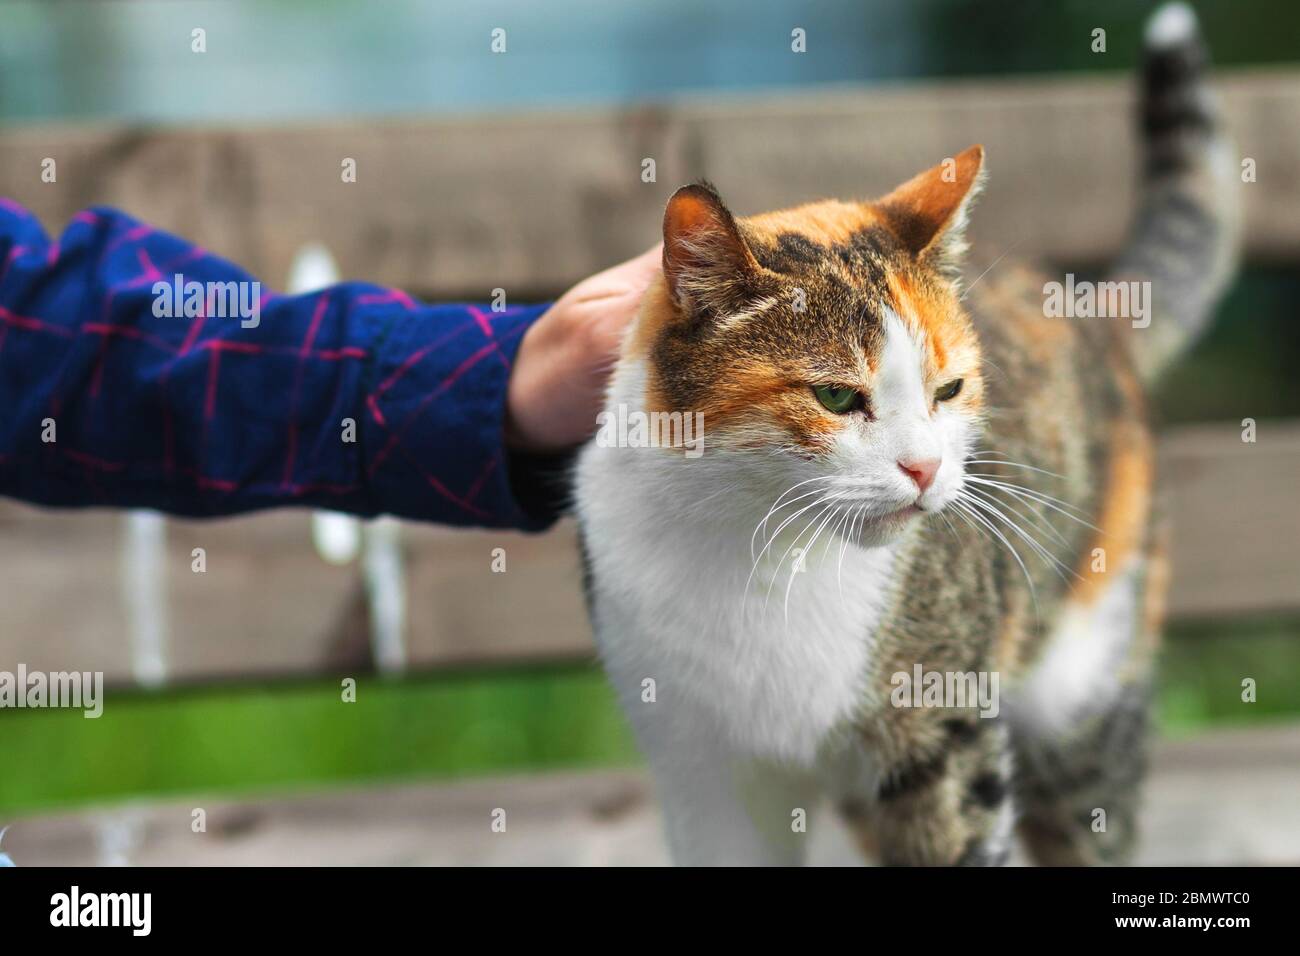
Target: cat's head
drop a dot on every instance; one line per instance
(826, 343)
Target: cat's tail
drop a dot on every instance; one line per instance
(1184, 240)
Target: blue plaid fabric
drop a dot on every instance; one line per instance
(120, 386)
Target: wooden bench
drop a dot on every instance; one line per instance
(458, 207)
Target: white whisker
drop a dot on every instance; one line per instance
(1036, 546)
(794, 571)
(971, 512)
(1056, 504)
(1038, 523)
(776, 534)
(778, 505)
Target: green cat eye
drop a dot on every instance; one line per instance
(837, 398)
(949, 391)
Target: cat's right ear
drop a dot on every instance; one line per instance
(928, 212)
(708, 266)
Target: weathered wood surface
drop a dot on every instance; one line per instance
(1225, 798)
(268, 605)
(530, 203)
(1235, 517)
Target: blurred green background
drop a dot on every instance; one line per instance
(112, 60)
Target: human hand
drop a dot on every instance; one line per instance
(557, 386)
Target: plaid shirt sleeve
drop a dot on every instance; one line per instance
(139, 370)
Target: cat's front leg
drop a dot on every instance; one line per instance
(723, 809)
(945, 800)
(721, 806)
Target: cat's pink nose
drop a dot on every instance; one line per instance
(922, 472)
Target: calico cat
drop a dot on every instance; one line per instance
(900, 479)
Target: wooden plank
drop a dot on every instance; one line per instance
(268, 605)
(531, 203)
(1223, 799)
(463, 611)
(265, 606)
(60, 604)
(1236, 525)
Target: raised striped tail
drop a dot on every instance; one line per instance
(1184, 241)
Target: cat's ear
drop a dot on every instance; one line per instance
(928, 212)
(708, 265)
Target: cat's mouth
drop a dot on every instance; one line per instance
(892, 516)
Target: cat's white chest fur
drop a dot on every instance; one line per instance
(766, 667)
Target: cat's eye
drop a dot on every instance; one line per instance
(838, 398)
(949, 391)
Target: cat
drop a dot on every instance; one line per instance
(900, 481)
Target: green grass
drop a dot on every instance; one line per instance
(302, 735)
(234, 739)
(1203, 667)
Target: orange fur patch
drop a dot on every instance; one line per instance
(759, 395)
(933, 314)
(921, 316)
(1124, 509)
(921, 209)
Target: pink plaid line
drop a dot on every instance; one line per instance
(463, 503)
(391, 296)
(33, 325)
(372, 400)
(485, 324)
(133, 234)
(394, 442)
(14, 253)
(481, 480)
(442, 387)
